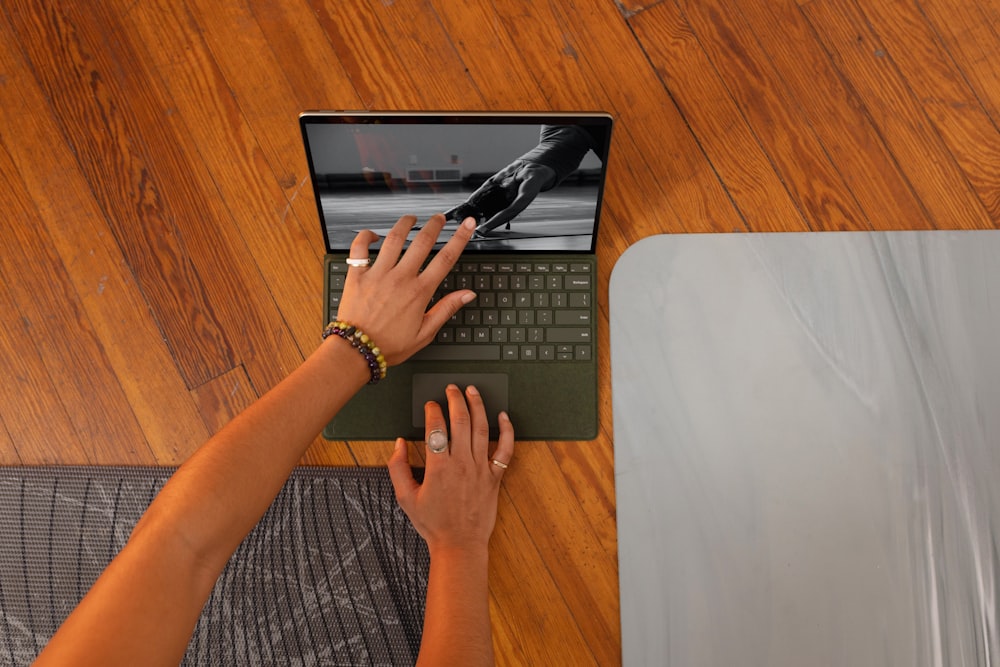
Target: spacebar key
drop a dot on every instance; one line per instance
(458, 353)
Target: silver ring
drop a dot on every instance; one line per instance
(365, 261)
(499, 464)
(437, 441)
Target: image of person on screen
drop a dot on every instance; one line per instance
(505, 194)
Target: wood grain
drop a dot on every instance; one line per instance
(157, 203)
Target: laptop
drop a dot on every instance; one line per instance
(529, 340)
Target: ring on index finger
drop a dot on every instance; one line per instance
(359, 261)
(437, 441)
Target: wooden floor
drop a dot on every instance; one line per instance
(161, 255)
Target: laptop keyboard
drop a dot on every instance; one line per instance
(524, 311)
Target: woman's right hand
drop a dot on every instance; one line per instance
(455, 508)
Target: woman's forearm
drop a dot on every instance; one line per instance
(221, 492)
(192, 527)
(457, 614)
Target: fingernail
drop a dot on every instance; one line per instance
(504, 416)
(400, 444)
(472, 391)
(469, 297)
(469, 223)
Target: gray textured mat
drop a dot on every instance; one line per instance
(334, 573)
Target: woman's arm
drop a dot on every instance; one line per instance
(145, 605)
(455, 511)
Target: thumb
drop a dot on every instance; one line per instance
(442, 311)
(401, 473)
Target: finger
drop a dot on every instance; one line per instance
(480, 424)
(439, 267)
(461, 423)
(434, 423)
(401, 475)
(441, 312)
(505, 445)
(361, 244)
(394, 242)
(422, 245)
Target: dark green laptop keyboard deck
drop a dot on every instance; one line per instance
(540, 310)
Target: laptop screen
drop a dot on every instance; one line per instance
(532, 182)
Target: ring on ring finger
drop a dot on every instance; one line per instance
(437, 441)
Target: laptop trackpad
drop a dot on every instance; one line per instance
(430, 387)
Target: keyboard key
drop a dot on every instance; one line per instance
(491, 317)
(554, 282)
(540, 300)
(536, 335)
(568, 335)
(526, 317)
(517, 335)
(579, 300)
(509, 352)
(463, 335)
(541, 268)
(518, 282)
(560, 267)
(543, 317)
(499, 335)
(337, 281)
(445, 335)
(474, 317)
(579, 268)
(529, 352)
(578, 282)
(481, 334)
(508, 318)
(546, 352)
(558, 299)
(581, 353)
(572, 317)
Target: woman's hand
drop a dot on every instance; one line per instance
(388, 300)
(455, 508)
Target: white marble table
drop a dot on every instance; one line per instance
(807, 448)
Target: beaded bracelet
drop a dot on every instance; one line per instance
(362, 343)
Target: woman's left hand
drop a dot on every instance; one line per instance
(388, 299)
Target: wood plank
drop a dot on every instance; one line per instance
(289, 262)
(923, 157)
(110, 295)
(969, 31)
(130, 158)
(585, 572)
(532, 622)
(34, 418)
(868, 171)
(704, 90)
(50, 312)
(953, 108)
(799, 159)
(367, 54)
